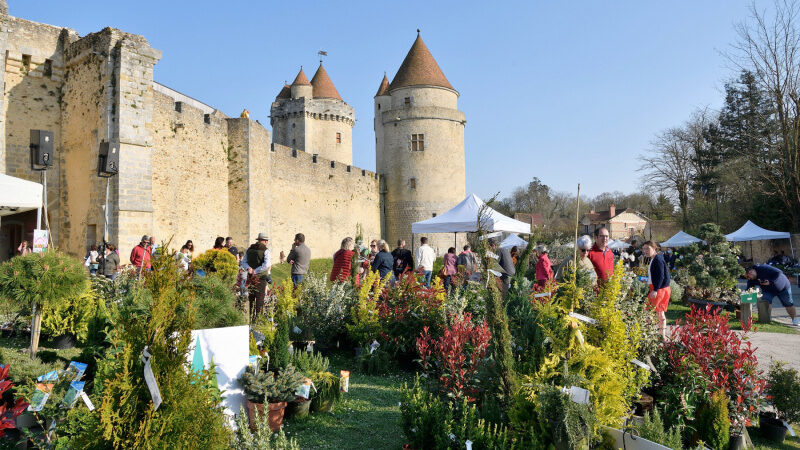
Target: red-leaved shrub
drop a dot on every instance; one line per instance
(9, 410)
(726, 361)
(455, 357)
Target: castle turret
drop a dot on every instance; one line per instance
(419, 145)
(314, 118)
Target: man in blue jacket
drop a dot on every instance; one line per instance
(773, 283)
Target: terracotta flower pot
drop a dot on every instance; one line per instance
(275, 415)
(252, 408)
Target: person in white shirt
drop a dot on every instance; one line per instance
(425, 258)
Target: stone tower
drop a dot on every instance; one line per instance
(419, 139)
(311, 116)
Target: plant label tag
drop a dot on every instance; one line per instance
(579, 335)
(495, 273)
(577, 394)
(788, 427)
(468, 444)
(150, 379)
(374, 346)
(344, 382)
(582, 318)
(543, 294)
(310, 347)
(88, 402)
(297, 330)
(38, 399)
(641, 364)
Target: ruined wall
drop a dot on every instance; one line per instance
(190, 174)
(325, 203)
(33, 78)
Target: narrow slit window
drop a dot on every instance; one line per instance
(412, 183)
(418, 142)
(338, 138)
(26, 63)
(47, 70)
(407, 102)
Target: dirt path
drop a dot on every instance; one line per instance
(776, 346)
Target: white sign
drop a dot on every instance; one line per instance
(577, 394)
(40, 240)
(630, 442)
(229, 349)
(582, 318)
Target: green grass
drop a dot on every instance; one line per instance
(367, 417)
(282, 271)
(679, 310)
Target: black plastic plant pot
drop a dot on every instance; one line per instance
(771, 428)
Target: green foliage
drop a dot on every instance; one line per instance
(429, 422)
(216, 304)
(364, 325)
(376, 363)
(264, 387)
(46, 279)
(709, 270)
(653, 429)
(676, 291)
(220, 264)
(279, 356)
(638, 316)
(328, 390)
(323, 308)
(308, 362)
(713, 425)
(501, 345)
(784, 388)
(161, 320)
(74, 314)
(263, 438)
(561, 420)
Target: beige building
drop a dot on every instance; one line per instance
(188, 171)
(621, 225)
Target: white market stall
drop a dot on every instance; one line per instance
(618, 245)
(680, 239)
(463, 218)
(752, 232)
(513, 241)
(18, 195)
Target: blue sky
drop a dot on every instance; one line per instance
(565, 91)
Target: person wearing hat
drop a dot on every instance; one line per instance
(258, 266)
(544, 270)
(140, 255)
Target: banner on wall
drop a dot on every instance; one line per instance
(229, 349)
(40, 240)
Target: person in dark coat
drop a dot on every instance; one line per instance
(383, 261)
(658, 277)
(403, 259)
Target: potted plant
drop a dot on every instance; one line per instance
(328, 392)
(708, 270)
(264, 387)
(783, 388)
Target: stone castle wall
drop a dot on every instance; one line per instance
(321, 199)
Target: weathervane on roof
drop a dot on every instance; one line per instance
(321, 53)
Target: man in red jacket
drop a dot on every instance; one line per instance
(601, 256)
(140, 255)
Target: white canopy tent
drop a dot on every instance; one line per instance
(513, 240)
(618, 244)
(463, 218)
(680, 239)
(752, 232)
(18, 195)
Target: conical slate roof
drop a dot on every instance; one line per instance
(301, 79)
(419, 68)
(384, 87)
(286, 92)
(323, 86)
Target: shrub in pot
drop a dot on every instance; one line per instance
(783, 389)
(328, 391)
(262, 387)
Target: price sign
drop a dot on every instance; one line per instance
(749, 298)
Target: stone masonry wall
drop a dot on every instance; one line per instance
(190, 174)
(325, 203)
(33, 78)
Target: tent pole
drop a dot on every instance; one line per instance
(455, 240)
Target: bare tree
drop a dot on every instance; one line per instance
(667, 167)
(769, 47)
